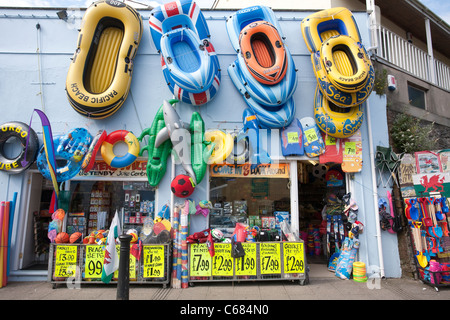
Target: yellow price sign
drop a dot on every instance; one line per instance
(292, 137)
(65, 261)
(330, 141)
(199, 261)
(153, 261)
(269, 256)
(246, 265)
(293, 255)
(132, 265)
(350, 148)
(311, 135)
(93, 266)
(222, 262)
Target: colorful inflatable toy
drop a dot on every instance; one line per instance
(69, 148)
(99, 77)
(179, 135)
(221, 143)
(199, 147)
(190, 65)
(251, 129)
(335, 121)
(115, 137)
(157, 155)
(21, 132)
(89, 159)
(264, 72)
(341, 65)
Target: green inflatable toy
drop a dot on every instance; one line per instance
(157, 156)
(199, 151)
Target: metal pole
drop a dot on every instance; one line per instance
(123, 281)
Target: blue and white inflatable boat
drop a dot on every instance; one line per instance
(188, 59)
(264, 71)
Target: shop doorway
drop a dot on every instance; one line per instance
(320, 187)
(34, 242)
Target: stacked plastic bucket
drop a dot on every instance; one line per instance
(359, 271)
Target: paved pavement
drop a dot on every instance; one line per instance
(323, 285)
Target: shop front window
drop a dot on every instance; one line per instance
(94, 203)
(252, 201)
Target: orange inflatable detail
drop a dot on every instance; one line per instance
(263, 52)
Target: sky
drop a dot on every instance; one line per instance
(440, 7)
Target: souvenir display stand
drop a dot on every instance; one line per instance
(424, 184)
(430, 240)
(71, 264)
(262, 261)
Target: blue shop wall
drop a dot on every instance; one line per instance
(34, 68)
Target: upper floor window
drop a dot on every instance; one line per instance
(416, 96)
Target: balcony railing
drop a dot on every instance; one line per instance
(399, 52)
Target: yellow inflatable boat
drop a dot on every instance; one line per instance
(99, 77)
(341, 65)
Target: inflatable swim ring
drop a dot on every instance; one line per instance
(336, 121)
(20, 131)
(223, 145)
(89, 159)
(108, 145)
(99, 76)
(263, 51)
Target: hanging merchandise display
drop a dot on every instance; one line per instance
(99, 76)
(18, 133)
(312, 139)
(89, 159)
(334, 121)
(343, 70)
(72, 147)
(428, 225)
(292, 139)
(352, 153)
(107, 148)
(251, 130)
(179, 135)
(157, 155)
(189, 62)
(264, 71)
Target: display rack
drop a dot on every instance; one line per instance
(82, 264)
(262, 261)
(430, 241)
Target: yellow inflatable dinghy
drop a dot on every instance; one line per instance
(99, 77)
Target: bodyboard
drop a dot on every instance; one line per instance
(352, 153)
(312, 138)
(333, 150)
(292, 139)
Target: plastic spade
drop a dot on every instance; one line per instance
(413, 211)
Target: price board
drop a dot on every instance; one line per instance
(269, 256)
(293, 255)
(350, 148)
(154, 261)
(246, 265)
(199, 261)
(65, 261)
(222, 262)
(132, 265)
(94, 261)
